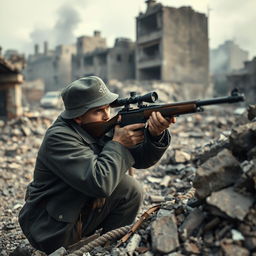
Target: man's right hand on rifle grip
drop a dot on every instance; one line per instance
(129, 135)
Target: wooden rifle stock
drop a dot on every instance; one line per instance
(141, 115)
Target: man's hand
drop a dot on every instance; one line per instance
(157, 123)
(129, 135)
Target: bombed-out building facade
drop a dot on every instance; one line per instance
(52, 66)
(95, 58)
(171, 46)
(11, 81)
(245, 80)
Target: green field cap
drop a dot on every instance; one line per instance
(84, 94)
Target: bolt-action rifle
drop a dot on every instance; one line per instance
(142, 112)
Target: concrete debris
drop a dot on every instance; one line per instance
(234, 250)
(156, 199)
(133, 244)
(243, 139)
(227, 201)
(252, 112)
(164, 234)
(191, 223)
(181, 157)
(213, 152)
(216, 173)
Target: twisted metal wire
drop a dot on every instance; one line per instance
(111, 235)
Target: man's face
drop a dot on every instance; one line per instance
(98, 114)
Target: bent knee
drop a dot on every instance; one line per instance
(133, 189)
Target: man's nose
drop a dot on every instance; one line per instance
(106, 115)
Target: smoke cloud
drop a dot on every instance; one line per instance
(68, 20)
(62, 32)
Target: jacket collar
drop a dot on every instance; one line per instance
(84, 135)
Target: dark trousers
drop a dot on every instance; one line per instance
(120, 209)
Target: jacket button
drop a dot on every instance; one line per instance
(60, 217)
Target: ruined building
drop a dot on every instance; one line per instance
(52, 66)
(245, 80)
(227, 57)
(224, 59)
(10, 90)
(16, 58)
(172, 44)
(95, 58)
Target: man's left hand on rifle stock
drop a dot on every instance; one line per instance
(131, 135)
(157, 124)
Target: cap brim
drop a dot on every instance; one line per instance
(105, 100)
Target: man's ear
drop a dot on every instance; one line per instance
(78, 120)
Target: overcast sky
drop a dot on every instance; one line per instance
(26, 22)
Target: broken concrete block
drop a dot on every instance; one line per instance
(152, 179)
(251, 112)
(234, 250)
(231, 203)
(25, 130)
(156, 199)
(216, 173)
(191, 223)
(165, 181)
(191, 248)
(181, 156)
(164, 234)
(242, 140)
(133, 244)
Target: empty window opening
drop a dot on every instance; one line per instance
(102, 59)
(151, 51)
(88, 60)
(119, 57)
(153, 73)
(148, 24)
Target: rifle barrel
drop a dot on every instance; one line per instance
(229, 99)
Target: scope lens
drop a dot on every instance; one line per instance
(154, 96)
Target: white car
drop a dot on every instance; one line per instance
(52, 99)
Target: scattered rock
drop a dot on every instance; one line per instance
(164, 234)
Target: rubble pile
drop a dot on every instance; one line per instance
(213, 151)
(19, 143)
(219, 220)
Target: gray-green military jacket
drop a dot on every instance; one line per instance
(72, 168)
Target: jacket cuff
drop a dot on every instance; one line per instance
(162, 140)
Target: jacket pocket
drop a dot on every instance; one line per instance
(65, 209)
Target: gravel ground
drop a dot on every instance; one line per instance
(21, 138)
